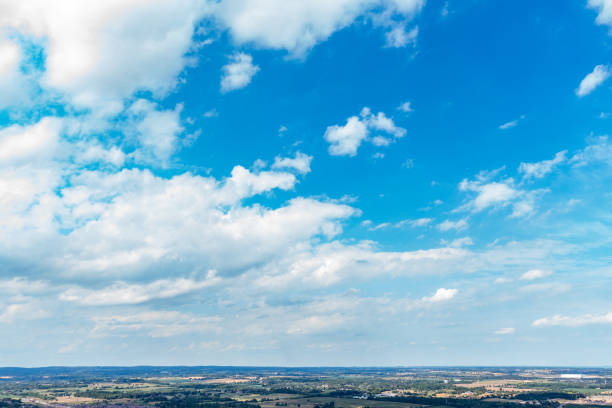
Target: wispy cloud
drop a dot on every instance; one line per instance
(594, 79)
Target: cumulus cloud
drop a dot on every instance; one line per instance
(238, 73)
(573, 321)
(345, 140)
(441, 295)
(156, 131)
(15, 86)
(98, 54)
(599, 75)
(300, 163)
(297, 26)
(604, 10)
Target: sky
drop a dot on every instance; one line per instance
(305, 183)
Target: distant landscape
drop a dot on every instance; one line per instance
(329, 387)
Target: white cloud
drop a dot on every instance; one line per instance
(441, 295)
(157, 132)
(573, 321)
(398, 36)
(405, 107)
(331, 263)
(211, 113)
(599, 75)
(542, 168)
(495, 194)
(489, 194)
(97, 54)
(9, 58)
(448, 225)
(297, 26)
(14, 85)
(598, 150)
(124, 293)
(419, 222)
(604, 9)
(505, 330)
(511, 124)
(300, 163)
(26, 143)
(238, 73)
(21, 311)
(381, 141)
(345, 140)
(535, 274)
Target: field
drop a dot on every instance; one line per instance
(252, 387)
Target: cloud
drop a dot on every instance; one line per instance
(24, 143)
(238, 73)
(300, 163)
(124, 293)
(97, 55)
(157, 132)
(398, 37)
(331, 263)
(549, 288)
(573, 321)
(511, 124)
(315, 323)
(599, 75)
(345, 140)
(419, 222)
(297, 26)
(448, 225)
(15, 86)
(598, 150)
(604, 10)
(21, 311)
(542, 168)
(505, 330)
(491, 193)
(405, 107)
(441, 295)
(155, 323)
(535, 274)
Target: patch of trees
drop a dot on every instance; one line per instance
(196, 401)
(541, 396)
(466, 403)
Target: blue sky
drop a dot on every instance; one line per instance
(347, 182)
